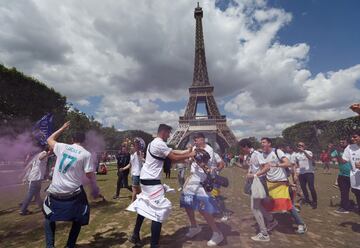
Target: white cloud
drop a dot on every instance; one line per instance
(83, 102)
(132, 54)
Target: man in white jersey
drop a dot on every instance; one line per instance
(151, 203)
(274, 164)
(259, 212)
(66, 200)
(305, 162)
(136, 163)
(35, 174)
(352, 155)
(195, 197)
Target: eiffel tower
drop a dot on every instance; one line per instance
(212, 124)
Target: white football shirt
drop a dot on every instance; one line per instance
(252, 160)
(38, 168)
(136, 164)
(196, 170)
(152, 167)
(352, 155)
(305, 165)
(275, 174)
(72, 163)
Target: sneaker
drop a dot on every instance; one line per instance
(261, 237)
(135, 240)
(272, 225)
(301, 229)
(224, 218)
(216, 239)
(27, 212)
(115, 197)
(193, 231)
(341, 211)
(180, 189)
(314, 205)
(168, 189)
(297, 209)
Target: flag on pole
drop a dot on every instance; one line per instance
(43, 128)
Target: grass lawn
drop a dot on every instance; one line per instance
(110, 224)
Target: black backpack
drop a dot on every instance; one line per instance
(287, 169)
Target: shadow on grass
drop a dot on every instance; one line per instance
(21, 238)
(105, 239)
(354, 226)
(101, 204)
(102, 179)
(8, 211)
(285, 223)
(178, 238)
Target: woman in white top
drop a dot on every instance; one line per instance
(136, 162)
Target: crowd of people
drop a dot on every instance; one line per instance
(278, 179)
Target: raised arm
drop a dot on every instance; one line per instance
(52, 139)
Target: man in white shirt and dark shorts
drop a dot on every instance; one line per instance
(66, 200)
(151, 203)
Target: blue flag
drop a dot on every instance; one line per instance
(43, 128)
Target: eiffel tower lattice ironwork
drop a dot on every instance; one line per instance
(212, 124)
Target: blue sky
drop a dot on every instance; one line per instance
(330, 27)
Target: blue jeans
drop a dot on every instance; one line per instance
(50, 227)
(34, 191)
(296, 216)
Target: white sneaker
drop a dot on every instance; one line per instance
(180, 189)
(301, 229)
(224, 218)
(272, 225)
(216, 239)
(261, 237)
(168, 189)
(193, 231)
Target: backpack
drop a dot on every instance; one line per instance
(287, 169)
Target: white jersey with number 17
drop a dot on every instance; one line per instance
(72, 162)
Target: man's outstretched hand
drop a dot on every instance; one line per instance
(356, 108)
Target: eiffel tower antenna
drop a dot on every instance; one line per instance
(212, 123)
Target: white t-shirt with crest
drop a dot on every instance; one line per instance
(72, 163)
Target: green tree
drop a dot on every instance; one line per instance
(25, 98)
